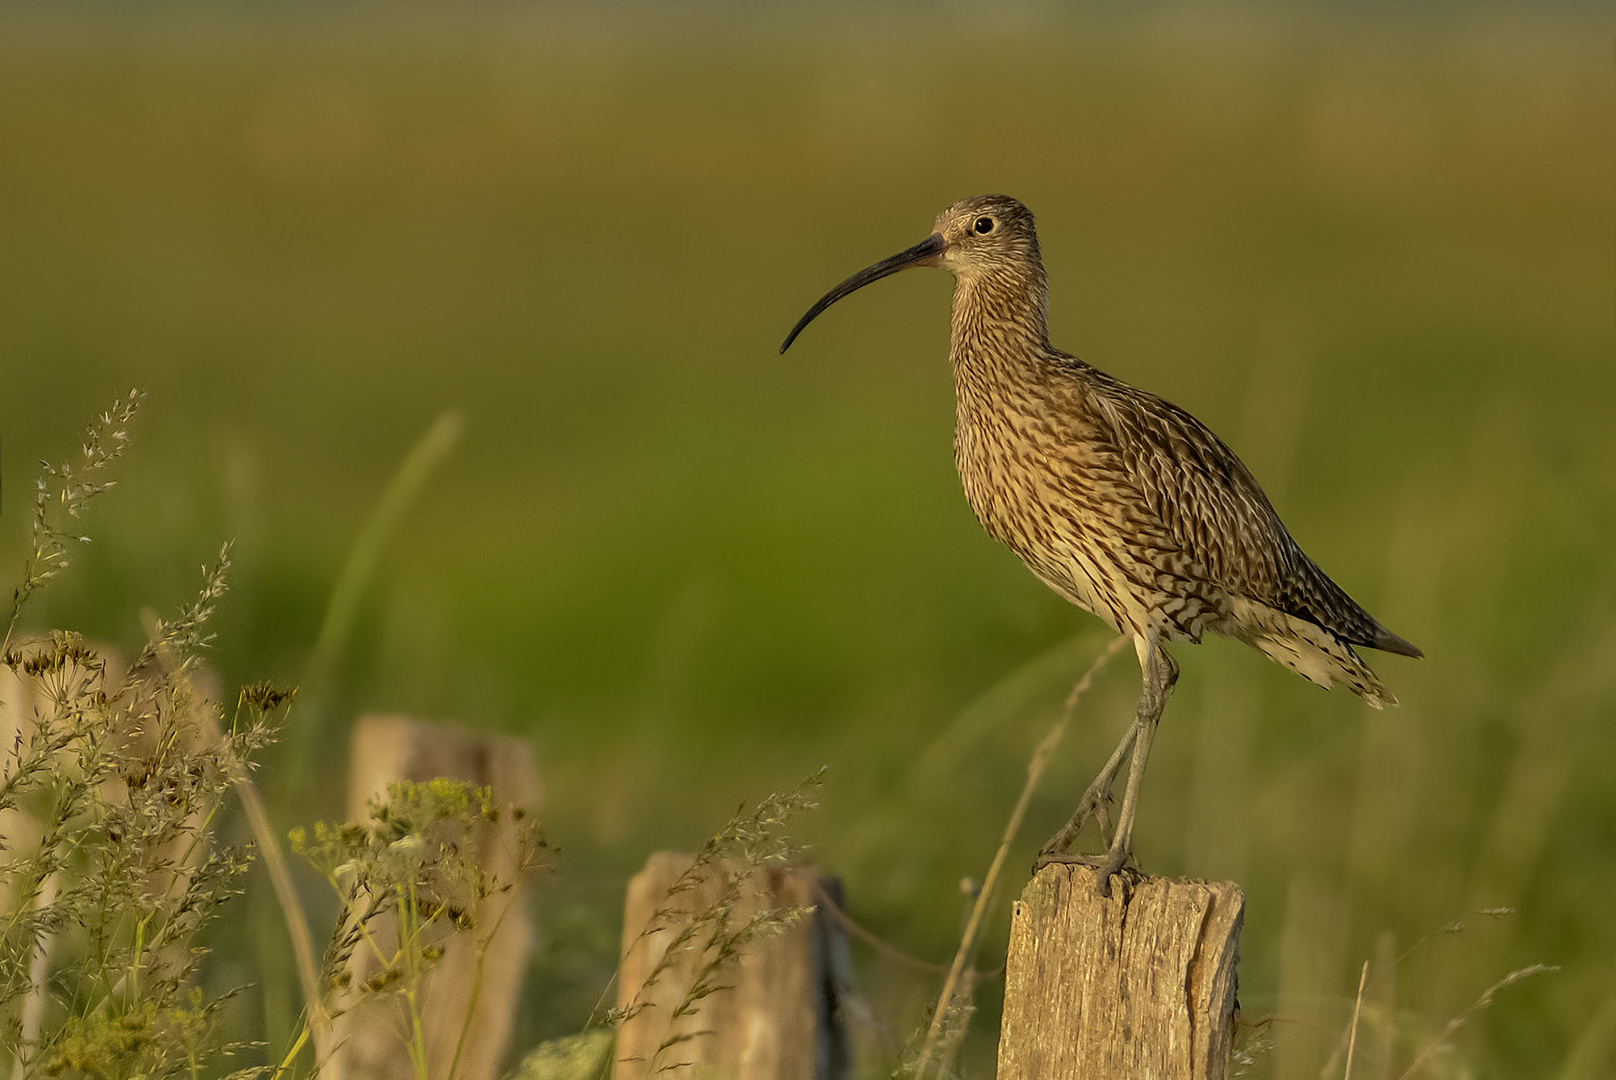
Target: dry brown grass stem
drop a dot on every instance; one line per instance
(1035, 772)
(1476, 1006)
(1349, 1033)
(886, 948)
(297, 924)
(1357, 1010)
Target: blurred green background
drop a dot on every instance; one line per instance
(1373, 248)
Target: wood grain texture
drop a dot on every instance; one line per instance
(1139, 985)
(778, 1017)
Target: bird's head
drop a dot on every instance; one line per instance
(985, 234)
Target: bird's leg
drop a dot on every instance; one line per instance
(1093, 801)
(1159, 672)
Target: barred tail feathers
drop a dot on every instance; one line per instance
(1308, 649)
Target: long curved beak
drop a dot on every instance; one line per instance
(922, 254)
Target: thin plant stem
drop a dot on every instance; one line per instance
(1357, 1008)
(476, 990)
(419, 465)
(291, 1055)
(33, 1009)
(1480, 1003)
(410, 919)
(471, 1011)
(824, 900)
(318, 1025)
(1035, 772)
(414, 471)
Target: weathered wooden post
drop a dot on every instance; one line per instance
(775, 1014)
(1139, 985)
(20, 702)
(460, 993)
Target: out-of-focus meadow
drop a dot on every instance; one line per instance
(1373, 250)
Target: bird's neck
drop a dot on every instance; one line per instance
(1000, 331)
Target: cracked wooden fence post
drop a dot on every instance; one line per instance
(387, 749)
(776, 1014)
(1139, 985)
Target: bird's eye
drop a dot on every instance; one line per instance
(984, 225)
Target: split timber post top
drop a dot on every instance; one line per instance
(1139, 985)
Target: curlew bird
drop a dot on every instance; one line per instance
(1121, 502)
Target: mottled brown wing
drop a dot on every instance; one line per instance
(1205, 498)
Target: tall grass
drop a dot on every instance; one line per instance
(113, 857)
(111, 788)
(1370, 247)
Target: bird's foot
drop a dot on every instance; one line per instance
(1108, 864)
(1093, 862)
(1120, 854)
